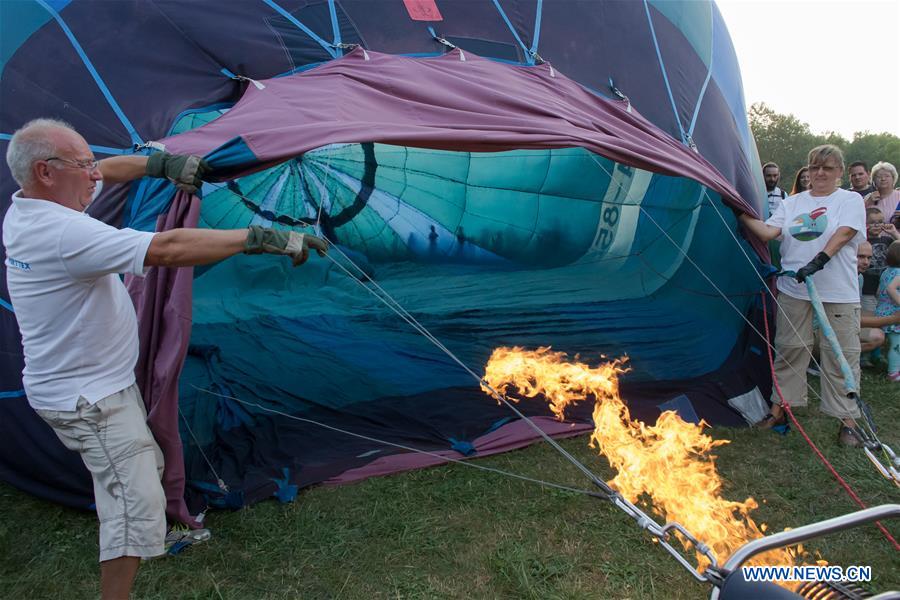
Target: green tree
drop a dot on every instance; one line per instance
(786, 140)
(873, 147)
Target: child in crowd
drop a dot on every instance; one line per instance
(888, 298)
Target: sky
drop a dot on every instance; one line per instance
(834, 64)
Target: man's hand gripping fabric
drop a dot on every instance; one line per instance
(186, 171)
(280, 241)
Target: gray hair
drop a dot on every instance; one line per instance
(29, 144)
(885, 166)
(824, 152)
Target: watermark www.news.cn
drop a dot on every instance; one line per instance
(854, 573)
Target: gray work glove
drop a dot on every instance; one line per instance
(282, 241)
(186, 171)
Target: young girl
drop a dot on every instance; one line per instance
(888, 298)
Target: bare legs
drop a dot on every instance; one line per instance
(116, 577)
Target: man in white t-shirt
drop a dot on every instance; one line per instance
(774, 194)
(79, 328)
(820, 230)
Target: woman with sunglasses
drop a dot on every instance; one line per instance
(820, 230)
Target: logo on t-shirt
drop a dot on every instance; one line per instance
(809, 226)
(17, 264)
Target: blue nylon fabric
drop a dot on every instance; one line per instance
(302, 27)
(726, 75)
(681, 405)
(233, 156)
(151, 199)
(529, 58)
(335, 27)
(18, 20)
(665, 76)
(135, 138)
(709, 70)
(286, 491)
(537, 28)
(462, 446)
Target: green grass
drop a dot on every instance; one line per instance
(455, 532)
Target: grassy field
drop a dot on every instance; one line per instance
(455, 532)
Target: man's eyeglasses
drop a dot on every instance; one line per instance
(827, 169)
(86, 165)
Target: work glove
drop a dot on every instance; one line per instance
(282, 241)
(813, 266)
(186, 171)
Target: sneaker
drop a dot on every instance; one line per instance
(895, 377)
(865, 362)
(848, 437)
(180, 537)
(769, 421)
(813, 370)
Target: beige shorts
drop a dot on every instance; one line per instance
(126, 465)
(794, 340)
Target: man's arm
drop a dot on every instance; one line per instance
(184, 170)
(761, 230)
(120, 169)
(878, 322)
(191, 247)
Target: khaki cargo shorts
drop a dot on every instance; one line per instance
(126, 465)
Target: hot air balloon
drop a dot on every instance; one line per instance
(513, 173)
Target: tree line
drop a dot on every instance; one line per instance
(786, 140)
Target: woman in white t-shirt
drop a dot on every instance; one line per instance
(820, 230)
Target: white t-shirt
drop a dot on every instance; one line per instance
(774, 198)
(78, 324)
(807, 223)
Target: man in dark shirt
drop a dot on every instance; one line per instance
(859, 179)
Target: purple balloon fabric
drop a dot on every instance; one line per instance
(162, 300)
(457, 101)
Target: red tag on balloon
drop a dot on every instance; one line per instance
(423, 10)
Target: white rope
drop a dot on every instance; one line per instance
(324, 190)
(219, 481)
(396, 445)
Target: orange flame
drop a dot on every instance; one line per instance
(670, 463)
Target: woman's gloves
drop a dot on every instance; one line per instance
(813, 266)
